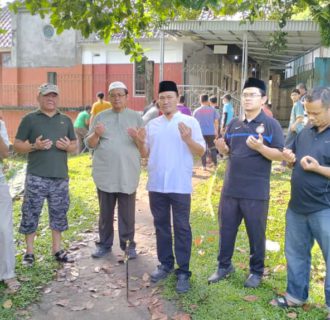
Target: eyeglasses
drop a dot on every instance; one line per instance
(118, 95)
(251, 95)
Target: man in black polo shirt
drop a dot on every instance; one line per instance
(308, 213)
(46, 135)
(251, 144)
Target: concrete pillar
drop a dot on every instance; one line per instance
(149, 69)
(265, 73)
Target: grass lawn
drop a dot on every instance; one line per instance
(225, 300)
(228, 299)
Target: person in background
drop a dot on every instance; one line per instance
(81, 126)
(303, 91)
(208, 119)
(227, 112)
(213, 100)
(266, 108)
(296, 123)
(7, 256)
(152, 113)
(46, 136)
(182, 107)
(99, 105)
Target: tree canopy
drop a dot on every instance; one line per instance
(133, 19)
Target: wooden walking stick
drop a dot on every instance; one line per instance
(126, 262)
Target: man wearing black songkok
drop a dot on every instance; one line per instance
(251, 144)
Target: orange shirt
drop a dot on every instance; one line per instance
(100, 106)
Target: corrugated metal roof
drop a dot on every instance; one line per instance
(5, 24)
(228, 25)
(302, 37)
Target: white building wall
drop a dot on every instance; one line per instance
(100, 53)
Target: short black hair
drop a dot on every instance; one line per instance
(100, 95)
(204, 98)
(319, 93)
(295, 91)
(227, 96)
(213, 99)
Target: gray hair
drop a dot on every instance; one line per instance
(320, 93)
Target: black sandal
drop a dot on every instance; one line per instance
(62, 256)
(282, 302)
(28, 259)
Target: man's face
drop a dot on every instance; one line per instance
(168, 101)
(48, 102)
(295, 97)
(301, 90)
(252, 100)
(118, 99)
(317, 114)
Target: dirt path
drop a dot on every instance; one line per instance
(96, 288)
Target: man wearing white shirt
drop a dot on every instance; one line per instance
(7, 257)
(171, 142)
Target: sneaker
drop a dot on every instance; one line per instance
(253, 281)
(160, 273)
(183, 284)
(132, 253)
(100, 252)
(221, 274)
(28, 259)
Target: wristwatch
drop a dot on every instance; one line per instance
(33, 147)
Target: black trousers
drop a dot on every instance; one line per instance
(161, 205)
(209, 140)
(126, 218)
(254, 213)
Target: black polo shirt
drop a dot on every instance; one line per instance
(310, 192)
(248, 172)
(50, 163)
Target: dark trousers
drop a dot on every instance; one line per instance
(254, 213)
(161, 205)
(126, 218)
(209, 140)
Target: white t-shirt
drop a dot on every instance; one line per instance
(170, 161)
(4, 136)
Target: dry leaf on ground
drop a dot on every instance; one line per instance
(250, 298)
(62, 302)
(7, 304)
(78, 308)
(145, 277)
(181, 316)
(48, 290)
(292, 315)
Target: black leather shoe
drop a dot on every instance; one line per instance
(253, 281)
(183, 283)
(132, 254)
(221, 274)
(100, 252)
(160, 273)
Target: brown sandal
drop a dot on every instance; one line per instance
(12, 285)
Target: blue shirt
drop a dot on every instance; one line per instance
(206, 115)
(297, 111)
(248, 172)
(229, 109)
(310, 191)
